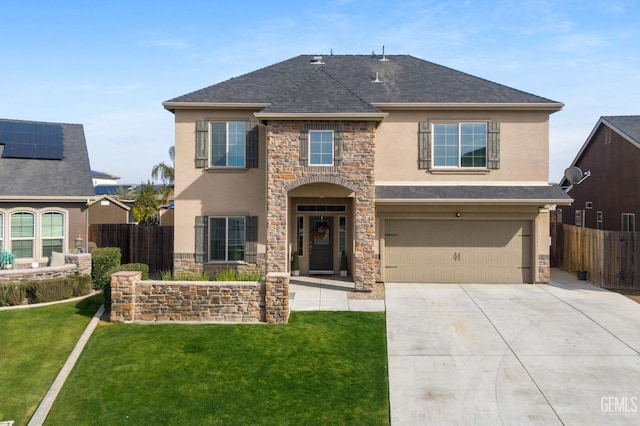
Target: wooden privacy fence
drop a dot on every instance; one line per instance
(148, 244)
(609, 257)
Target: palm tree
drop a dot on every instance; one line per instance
(166, 173)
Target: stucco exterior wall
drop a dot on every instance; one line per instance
(524, 146)
(201, 192)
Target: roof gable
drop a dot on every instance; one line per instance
(401, 79)
(68, 176)
(627, 125)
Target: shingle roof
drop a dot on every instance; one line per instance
(551, 194)
(403, 79)
(330, 96)
(627, 124)
(70, 176)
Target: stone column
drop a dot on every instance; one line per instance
(276, 298)
(123, 295)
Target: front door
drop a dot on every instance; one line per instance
(321, 245)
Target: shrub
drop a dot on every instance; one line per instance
(103, 260)
(229, 274)
(106, 289)
(12, 294)
(186, 276)
(60, 288)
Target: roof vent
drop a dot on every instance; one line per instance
(383, 59)
(317, 60)
(377, 80)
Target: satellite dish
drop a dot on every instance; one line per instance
(573, 175)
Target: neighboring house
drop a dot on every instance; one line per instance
(45, 184)
(420, 173)
(106, 209)
(608, 198)
(102, 178)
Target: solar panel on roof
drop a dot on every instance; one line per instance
(41, 141)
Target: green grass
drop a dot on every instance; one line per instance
(322, 368)
(34, 345)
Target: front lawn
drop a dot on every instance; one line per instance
(34, 345)
(321, 368)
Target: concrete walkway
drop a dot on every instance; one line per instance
(481, 354)
(327, 294)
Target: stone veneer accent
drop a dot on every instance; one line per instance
(203, 301)
(544, 268)
(75, 264)
(355, 171)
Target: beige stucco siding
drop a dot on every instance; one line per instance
(524, 146)
(202, 192)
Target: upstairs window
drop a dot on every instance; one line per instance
(321, 148)
(460, 145)
(226, 144)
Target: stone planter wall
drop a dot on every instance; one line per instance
(197, 301)
(74, 264)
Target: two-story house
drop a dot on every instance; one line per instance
(606, 199)
(418, 172)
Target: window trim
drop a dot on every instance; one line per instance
(459, 167)
(42, 238)
(33, 238)
(37, 237)
(333, 145)
(210, 165)
(2, 230)
(627, 220)
(226, 239)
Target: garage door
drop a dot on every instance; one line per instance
(457, 251)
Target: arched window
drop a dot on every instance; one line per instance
(22, 234)
(51, 233)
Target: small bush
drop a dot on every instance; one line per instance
(12, 294)
(103, 260)
(59, 289)
(229, 274)
(186, 276)
(106, 289)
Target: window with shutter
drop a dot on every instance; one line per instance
(459, 145)
(304, 147)
(201, 250)
(251, 239)
(424, 145)
(226, 144)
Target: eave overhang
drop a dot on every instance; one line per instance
(378, 116)
(547, 106)
(523, 195)
(46, 199)
(173, 106)
(475, 201)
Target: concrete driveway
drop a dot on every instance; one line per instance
(562, 353)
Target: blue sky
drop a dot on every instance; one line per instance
(110, 64)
